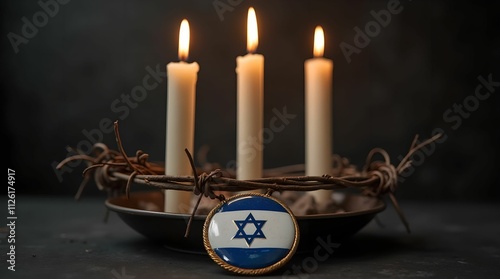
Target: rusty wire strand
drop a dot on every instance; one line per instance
(116, 172)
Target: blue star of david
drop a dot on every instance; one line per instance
(241, 229)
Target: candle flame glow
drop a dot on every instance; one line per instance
(319, 42)
(184, 40)
(252, 31)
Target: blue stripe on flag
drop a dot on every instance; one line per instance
(251, 257)
(252, 203)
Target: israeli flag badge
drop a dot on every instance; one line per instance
(251, 234)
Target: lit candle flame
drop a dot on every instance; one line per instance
(252, 31)
(184, 40)
(319, 42)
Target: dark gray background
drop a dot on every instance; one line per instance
(428, 58)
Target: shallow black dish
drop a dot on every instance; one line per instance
(143, 212)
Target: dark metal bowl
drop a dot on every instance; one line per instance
(143, 212)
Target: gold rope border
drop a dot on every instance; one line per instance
(249, 271)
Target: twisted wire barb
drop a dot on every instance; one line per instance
(115, 172)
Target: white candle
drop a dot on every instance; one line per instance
(181, 99)
(250, 103)
(318, 114)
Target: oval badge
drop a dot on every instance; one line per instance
(251, 234)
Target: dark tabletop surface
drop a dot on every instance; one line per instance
(62, 238)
